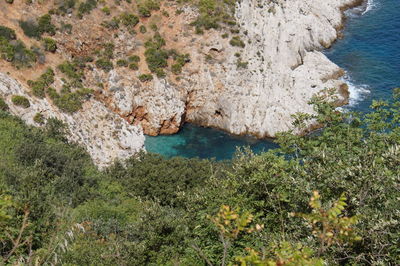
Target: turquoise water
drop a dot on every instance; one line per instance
(370, 54)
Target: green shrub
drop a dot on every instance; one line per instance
(154, 27)
(20, 101)
(50, 45)
(106, 10)
(129, 20)
(144, 11)
(134, 58)
(40, 86)
(108, 50)
(69, 102)
(241, 64)
(30, 29)
(7, 33)
(9, 1)
(236, 41)
(122, 63)
(104, 64)
(39, 119)
(17, 53)
(3, 105)
(180, 61)
(145, 77)
(45, 25)
(35, 29)
(70, 70)
(142, 29)
(86, 7)
(160, 73)
(133, 66)
(156, 57)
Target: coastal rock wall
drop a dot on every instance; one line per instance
(253, 89)
(105, 135)
(285, 67)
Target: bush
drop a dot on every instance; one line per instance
(17, 53)
(3, 105)
(39, 119)
(129, 20)
(104, 64)
(134, 58)
(35, 29)
(86, 7)
(45, 25)
(30, 29)
(145, 77)
(133, 66)
(142, 29)
(70, 70)
(69, 102)
(144, 11)
(9, 1)
(106, 10)
(20, 101)
(122, 63)
(236, 41)
(50, 45)
(40, 86)
(7, 33)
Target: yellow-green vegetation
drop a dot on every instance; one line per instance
(39, 119)
(21, 101)
(149, 210)
(7, 33)
(236, 41)
(157, 56)
(68, 101)
(15, 51)
(129, 20)
(35, 29)
(146, 6)
(122, 63)
(49, 44)
(40, 85)
(213, 14)
(104, 64)
(145, 77)
(3, 105)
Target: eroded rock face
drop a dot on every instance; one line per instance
(251, 90)
(285, 68)
(104, 134)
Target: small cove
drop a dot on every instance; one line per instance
(370, 55)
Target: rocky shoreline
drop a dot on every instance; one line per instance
(252, 88)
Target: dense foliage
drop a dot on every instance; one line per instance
(157, 211)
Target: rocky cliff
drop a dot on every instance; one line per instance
(246, 78)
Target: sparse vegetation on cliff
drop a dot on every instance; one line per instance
(20, 101)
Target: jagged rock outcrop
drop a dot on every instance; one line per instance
(104, 134)
(252, 90)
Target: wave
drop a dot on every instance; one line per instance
(371, 4)
(363, 9)
(357, 92)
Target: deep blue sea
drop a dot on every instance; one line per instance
(370, 54)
